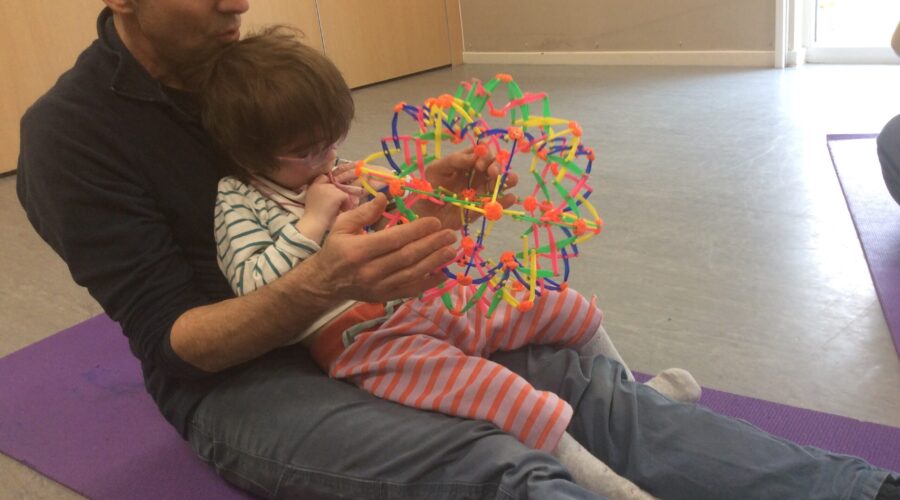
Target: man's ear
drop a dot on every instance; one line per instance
(120, 6)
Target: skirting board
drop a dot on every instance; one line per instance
(851, 55)
(754, 58)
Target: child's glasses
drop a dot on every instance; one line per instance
(310, 160)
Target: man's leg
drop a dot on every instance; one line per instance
(677, 450)
(889, 155)
(282, 429)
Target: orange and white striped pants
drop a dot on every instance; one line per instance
(425, 357)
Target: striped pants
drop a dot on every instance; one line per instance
(425, 357)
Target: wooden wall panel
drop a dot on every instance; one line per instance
(39, 40)
(300, 14)
(369, 40)
(372, 41)
(617, 25)
(454, 25)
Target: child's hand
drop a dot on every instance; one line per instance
(324, 201)
(344, 174)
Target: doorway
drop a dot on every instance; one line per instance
(851, 31)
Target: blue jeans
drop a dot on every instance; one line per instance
(889, 155)
(282, 429)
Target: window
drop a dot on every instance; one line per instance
(851, 31)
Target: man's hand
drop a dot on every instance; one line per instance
(399, 262)
(457, 172)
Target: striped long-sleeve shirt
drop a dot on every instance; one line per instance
(257, 239)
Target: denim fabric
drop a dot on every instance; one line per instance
(684, 451)
(889, 155)
(282, 429)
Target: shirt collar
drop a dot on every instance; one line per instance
(130, 79)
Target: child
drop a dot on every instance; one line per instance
(278, 108)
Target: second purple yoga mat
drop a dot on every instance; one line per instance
(876, 216)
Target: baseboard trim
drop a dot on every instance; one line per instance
(754, 58)
(851, 55)
(795, 57)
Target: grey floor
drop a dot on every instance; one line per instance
(728, 248)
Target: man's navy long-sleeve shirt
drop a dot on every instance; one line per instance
(121, 181)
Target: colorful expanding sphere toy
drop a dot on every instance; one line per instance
(556, 214)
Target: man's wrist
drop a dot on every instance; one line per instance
(307, 286)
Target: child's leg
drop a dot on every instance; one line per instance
(563, 318)
(424, 372)
(567, 318)
(592, 473)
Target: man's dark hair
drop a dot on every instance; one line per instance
(269, 90)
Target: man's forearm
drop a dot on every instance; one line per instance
(228, 333)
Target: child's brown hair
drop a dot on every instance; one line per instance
(268, 91)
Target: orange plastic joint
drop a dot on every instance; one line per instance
(399, 107)
(575, 128)
(445, 101)
(421, 185)
(504, 77)
(395, 187)
(493, 210)
(580, 227)
(525, 305)
(509, 260)
(481, 150)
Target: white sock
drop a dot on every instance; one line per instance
(591, 473)
(677, 384)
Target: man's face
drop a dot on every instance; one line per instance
(181, 31)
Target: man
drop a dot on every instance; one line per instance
(117, 176)
(889, 142)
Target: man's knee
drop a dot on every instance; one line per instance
(889, 156)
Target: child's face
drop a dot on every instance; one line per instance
(296, 169)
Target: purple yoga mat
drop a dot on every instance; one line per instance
(876, 216)
(74, 408)
(878, 444)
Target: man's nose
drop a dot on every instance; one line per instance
(233, 6)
